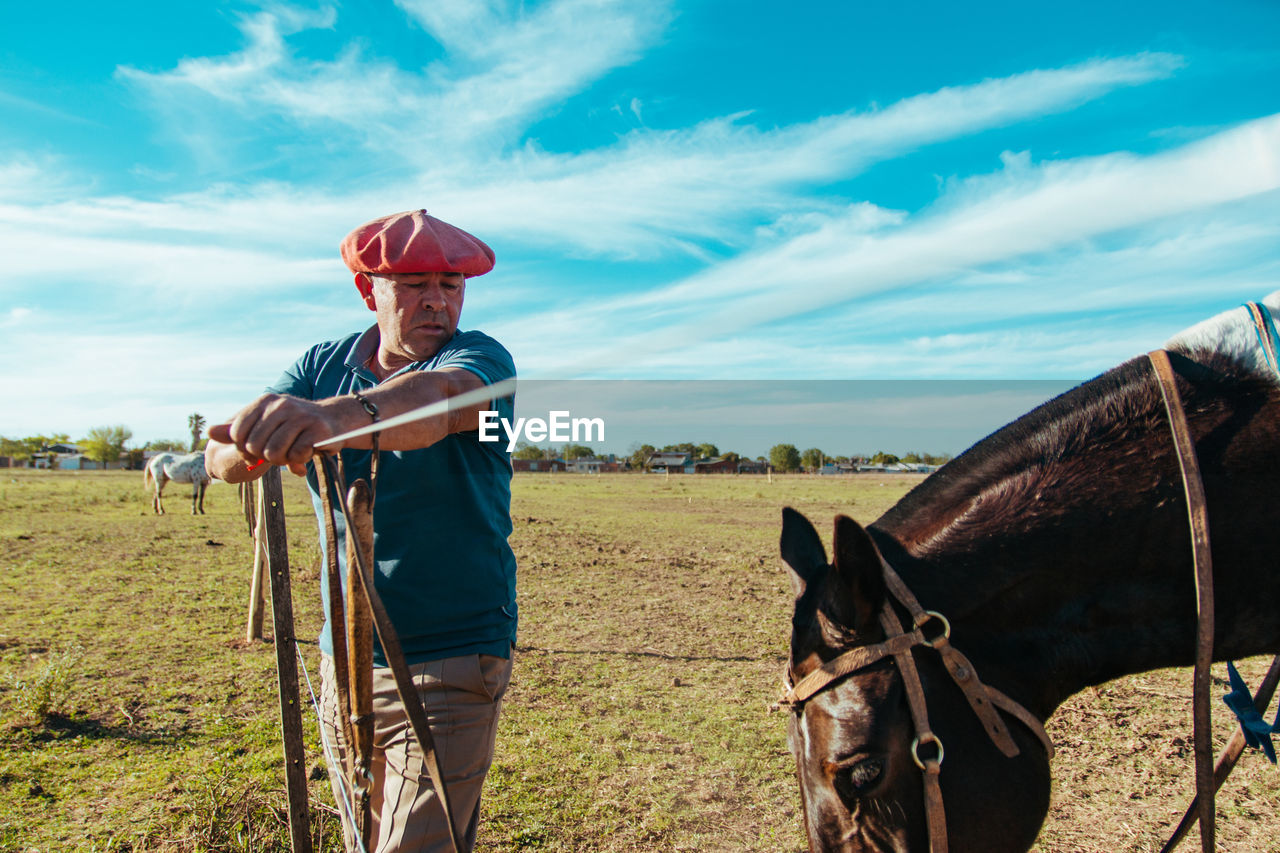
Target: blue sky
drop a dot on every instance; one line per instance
(675, 190)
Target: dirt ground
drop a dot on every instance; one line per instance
(654, 622)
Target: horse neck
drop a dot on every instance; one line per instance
(1074, 565)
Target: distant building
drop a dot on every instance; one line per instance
(595, 465)
(718, 465)
(80, 462)
(55, 455)
(668, 463)
(899, 468)
(752, 466)
(545, 465)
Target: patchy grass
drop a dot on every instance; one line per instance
(655, 617)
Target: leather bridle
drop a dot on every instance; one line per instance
(898, 644)
(984, 700)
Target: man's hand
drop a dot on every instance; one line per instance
(277, 429)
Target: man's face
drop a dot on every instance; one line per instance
(417, 312)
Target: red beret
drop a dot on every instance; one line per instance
(414, 242)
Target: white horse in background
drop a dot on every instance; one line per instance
(164, 467)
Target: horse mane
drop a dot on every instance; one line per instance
(1117, 416)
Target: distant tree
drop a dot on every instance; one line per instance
(730, 456)
(105, 444)
(708, 451)
(196, 423)
(167, 445)
(784, 457)
(931, 459)
(912, 458)
(641, 454)
(812, 459)
(882, 458)
(688, 448)
(575, 451)
(23, 449)
(525, 450)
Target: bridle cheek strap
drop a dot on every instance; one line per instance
(958, 666)
(982, 698)
(931, 767)
(899, 644)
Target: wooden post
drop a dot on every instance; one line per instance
(257, 586)
(295, 771)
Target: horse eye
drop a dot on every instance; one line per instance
(859, 778)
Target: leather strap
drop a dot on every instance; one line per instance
(359, 630)
(336, 614)
(1004, 703)
(962, 672)
(404, 681)
(847, 664)
(931, 767)
(1198, 515)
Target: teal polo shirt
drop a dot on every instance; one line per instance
(441, 516)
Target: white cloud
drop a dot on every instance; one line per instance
(149, 380)
(1039, 210)
(461, 121)
(654, 193)
(14, 317)
(515, 65)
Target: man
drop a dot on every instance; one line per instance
(442, 516)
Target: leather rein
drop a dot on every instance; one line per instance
(984, 700)
(353, 648)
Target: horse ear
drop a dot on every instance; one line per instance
(802, 550)
(858, 587)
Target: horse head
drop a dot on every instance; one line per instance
(860, 780)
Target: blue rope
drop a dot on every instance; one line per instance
(347, 797)
(1257, 731)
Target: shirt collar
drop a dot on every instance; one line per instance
(364, 348)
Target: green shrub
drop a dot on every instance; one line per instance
(49, 690)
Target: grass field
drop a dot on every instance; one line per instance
(655, 615)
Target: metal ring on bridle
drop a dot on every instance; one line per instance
(915, 748)
(939, 639)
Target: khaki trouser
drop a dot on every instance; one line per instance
(462, 697)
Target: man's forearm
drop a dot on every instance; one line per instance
(411, 391)
(284, 430)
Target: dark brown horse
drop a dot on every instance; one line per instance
(1059, 550)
